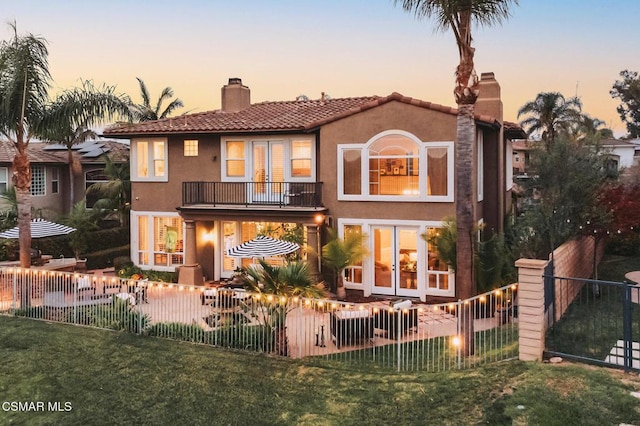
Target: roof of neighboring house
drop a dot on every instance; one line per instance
(46, 153)
(298, 115)
(513, 130)
(522, 145)
(619, 143)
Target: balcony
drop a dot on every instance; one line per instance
(280, 194)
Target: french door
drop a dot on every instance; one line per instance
(395, 254)
(268, 171)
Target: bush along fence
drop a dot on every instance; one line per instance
(396, 335)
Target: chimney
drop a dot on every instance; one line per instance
(235, 96)
(489, 102)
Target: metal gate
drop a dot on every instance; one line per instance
(593, 321)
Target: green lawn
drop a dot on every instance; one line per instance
(120, 378)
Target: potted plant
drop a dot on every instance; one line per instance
(340, 253)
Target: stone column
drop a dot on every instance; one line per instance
(531, 319)
(191, 271)
(313, 249)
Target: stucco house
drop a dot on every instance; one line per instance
(50, 182)
(379, 165)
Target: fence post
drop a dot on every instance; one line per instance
(531, 324)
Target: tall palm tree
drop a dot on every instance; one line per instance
(146, 112)
(116, 192)
(458, 16)
(27, 112)
(292, 279)
(550, 114)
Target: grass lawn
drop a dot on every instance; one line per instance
(119, 378)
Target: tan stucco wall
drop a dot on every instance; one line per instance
(427, 125)
(167, 196)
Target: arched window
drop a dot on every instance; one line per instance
(396, 166)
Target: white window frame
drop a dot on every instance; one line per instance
(135, 243)
(422, 167)
(480, 165)
(367, 266)
(150, 165)
(55, 178)
(248, 157)
(511, 158)
(4, 179)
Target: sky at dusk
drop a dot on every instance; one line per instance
(284, 48)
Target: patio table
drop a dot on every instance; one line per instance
(633, 276)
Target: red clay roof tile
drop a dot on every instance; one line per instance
(302, 115)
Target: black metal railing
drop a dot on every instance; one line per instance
(299, 194)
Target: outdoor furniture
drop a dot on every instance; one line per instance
(395, 322)
(349, 327)
(84, 285)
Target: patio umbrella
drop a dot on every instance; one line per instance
(40, 228)
(262, 246)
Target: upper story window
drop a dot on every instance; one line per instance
(269, 160)
(55, 181)
(91, 177)
(38, 181)
(301, 158)
(4, 179)
(191, 148)
(149, 159)
(396, 166)
(235, 158)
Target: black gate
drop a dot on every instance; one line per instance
(593, 321)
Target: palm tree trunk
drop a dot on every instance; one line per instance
(22, 182)
(465, 217)
(341, 292)
(282, 342)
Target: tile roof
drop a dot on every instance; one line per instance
(514, 130)
(45, 153)
(298, 115)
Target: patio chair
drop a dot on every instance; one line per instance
(84, 285)
(349, 327)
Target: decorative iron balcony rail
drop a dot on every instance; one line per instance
(282, 194)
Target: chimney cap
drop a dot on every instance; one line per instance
(235, 80)
(487, 76)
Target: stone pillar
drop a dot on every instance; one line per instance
(531, 319)
(191, 272)
(313, 248)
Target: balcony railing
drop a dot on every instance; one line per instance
(281, 194)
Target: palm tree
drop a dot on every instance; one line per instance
(590, 128)
(115, 194)
(85, 222)
(458, 16)
(283, 282)
(550, 114)
(340, 253)
(145, 112)
(26, 112)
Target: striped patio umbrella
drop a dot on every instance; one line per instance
(40, 228)
(262, 246)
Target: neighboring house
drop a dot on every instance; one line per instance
(382, 166)
(521, 157)
(50, 188)
(620, 154)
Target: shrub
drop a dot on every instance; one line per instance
(115, 316)
(178, 331)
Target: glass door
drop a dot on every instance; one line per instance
(395, 254)
(229, 240)
(268, 171)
